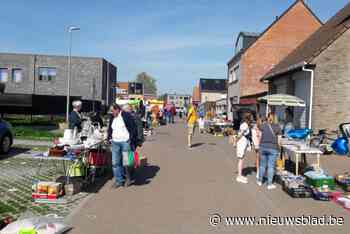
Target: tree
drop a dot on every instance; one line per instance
(149, 83)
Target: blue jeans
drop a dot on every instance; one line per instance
(170, 117)
(118, 149)
(267, 159)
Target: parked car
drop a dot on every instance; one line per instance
(6, 137)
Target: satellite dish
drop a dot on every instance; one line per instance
(2, 88)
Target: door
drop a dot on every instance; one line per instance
(302, 90)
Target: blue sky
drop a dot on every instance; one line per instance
(176, 41)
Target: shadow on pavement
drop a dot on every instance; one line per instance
(99, 183)
(144, 175)
(197, 145)
(248, 171)
(14, 152)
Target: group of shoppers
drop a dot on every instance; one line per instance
(264, 137)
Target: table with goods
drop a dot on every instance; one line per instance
(314, 182)
(219, 128)
(83, 156)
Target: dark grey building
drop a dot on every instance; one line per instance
(37, 84)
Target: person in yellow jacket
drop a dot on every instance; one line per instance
(191, 123)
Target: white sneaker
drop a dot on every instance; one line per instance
(259, 183)
(242, 179)
(257, 175)
(271, 186)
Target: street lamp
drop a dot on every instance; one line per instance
(70, 30)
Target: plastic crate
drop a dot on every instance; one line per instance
(318, 183)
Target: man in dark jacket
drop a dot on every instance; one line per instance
(75, 119)
(122, 133)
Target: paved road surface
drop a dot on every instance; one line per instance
(182, 187)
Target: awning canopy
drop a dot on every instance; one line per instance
(282, 100)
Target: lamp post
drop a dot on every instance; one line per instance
(70, 30)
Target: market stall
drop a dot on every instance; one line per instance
(219, 128)
(82, 156)
(295, 147)
(314, 182)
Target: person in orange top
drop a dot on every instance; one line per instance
(191, 123)
(155, 114)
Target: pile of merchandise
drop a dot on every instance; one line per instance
(316, 183)
(343, 181)
(31, 224)
(323, 185)
(295, 186)
(47, 190)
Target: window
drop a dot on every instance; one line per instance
(230, 75)
(47, 74)
(4, 75)
(17, 75)
(234, 74)
(239, 45)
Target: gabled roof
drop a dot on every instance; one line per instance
(315, 44)
(273, 23)
(212, 85)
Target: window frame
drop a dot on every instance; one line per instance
(8, 74)
(49, 78)
(13, 75)
(232, 76)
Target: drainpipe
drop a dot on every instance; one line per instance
(311, 92)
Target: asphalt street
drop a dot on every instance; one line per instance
(181, 189)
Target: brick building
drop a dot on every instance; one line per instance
(37, 84)
(318, 72)
(261, 52)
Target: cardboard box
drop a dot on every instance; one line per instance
(74, 187)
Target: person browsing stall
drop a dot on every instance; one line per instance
(269, 149)
(122, 133)
(243, 144)
(75, 119)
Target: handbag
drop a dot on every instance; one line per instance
(274, 135)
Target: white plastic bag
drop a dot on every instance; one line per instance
(50, 224)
